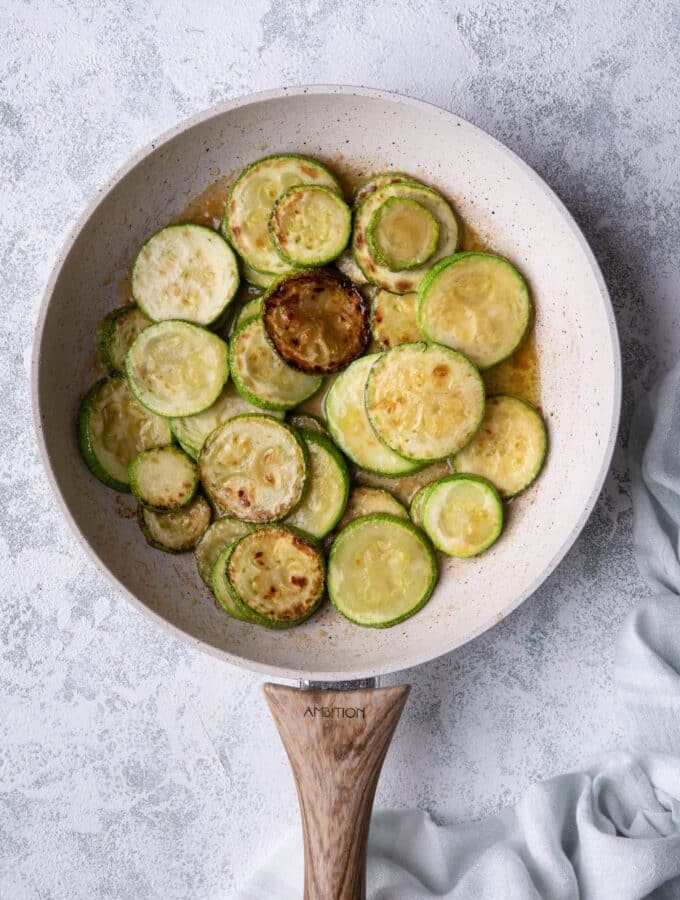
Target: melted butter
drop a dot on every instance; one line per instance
(208, 207)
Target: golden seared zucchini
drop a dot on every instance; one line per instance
(406, 280)
(350, 426)
(116, 334)
(462, 515)
(402, 234)
(113, 427)
(251, 201)
(381, 570)
(217, 537)
(254, 468)
(477, 303)
(424, 401)
(393, 319)
(381, 180)
(185, 272)
(275, 576)
(510, 447)
(310, 225)
(176, 368)
(177, 530)
(261, 375)
(163, 478)
(191, 431)
(363, 501)
(415, 509)
(325, 496)
(317, 320)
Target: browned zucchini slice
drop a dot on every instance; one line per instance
(317, 320)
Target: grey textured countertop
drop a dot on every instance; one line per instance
(132, 766)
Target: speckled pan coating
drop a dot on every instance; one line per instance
(577, 342)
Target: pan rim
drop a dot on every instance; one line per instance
(301, 673)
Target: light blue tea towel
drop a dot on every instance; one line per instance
(609, 833)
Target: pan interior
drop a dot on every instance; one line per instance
(494, 193)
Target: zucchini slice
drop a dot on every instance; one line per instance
(163, 478)
(462, 515)
(310, 225)
(261, 376)
(113, 427)
(317, 320)
(424, 401)
(252, 198)
(477, 303)
(176, 368)
(510, 447)
(405, 281)
(381, 570)
(276, 576)
(254, 468)
(222, 589)
(185, 272)
(308, 422)
(192, 431)
(415, 509)
(381, 180)
(116, 334)
(350, 427)
(393, 319)
(345, 264)
(327, 488)
(217, 538)
(402, 234)
(177, 530)
(250, 310)
(363, 501)
(258, 279)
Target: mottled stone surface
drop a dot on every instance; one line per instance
(131, 766)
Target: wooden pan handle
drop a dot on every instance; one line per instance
(336, 742)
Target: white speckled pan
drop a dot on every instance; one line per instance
(498, 195)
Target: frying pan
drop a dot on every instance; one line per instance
(336, 739)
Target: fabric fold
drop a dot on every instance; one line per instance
(611, 832)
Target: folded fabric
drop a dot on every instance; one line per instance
(609, 833)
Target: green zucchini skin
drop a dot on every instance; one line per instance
(379, 181)
(220, 312)
(170, 328)
(323, 256)
(228, 227)
(407, 280)
(485, 486)
(396, 465)
(86, 444)
(421, 349)
(205, 464)
(379, 252)
(321, 529)
(222, 589)
(198, 505)
(135, 469)
(252, 615)
(416, 506)
(455, 259)
(459, 460)
(107, 334)
(424, 544)
(216, 538)
(314, 382)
